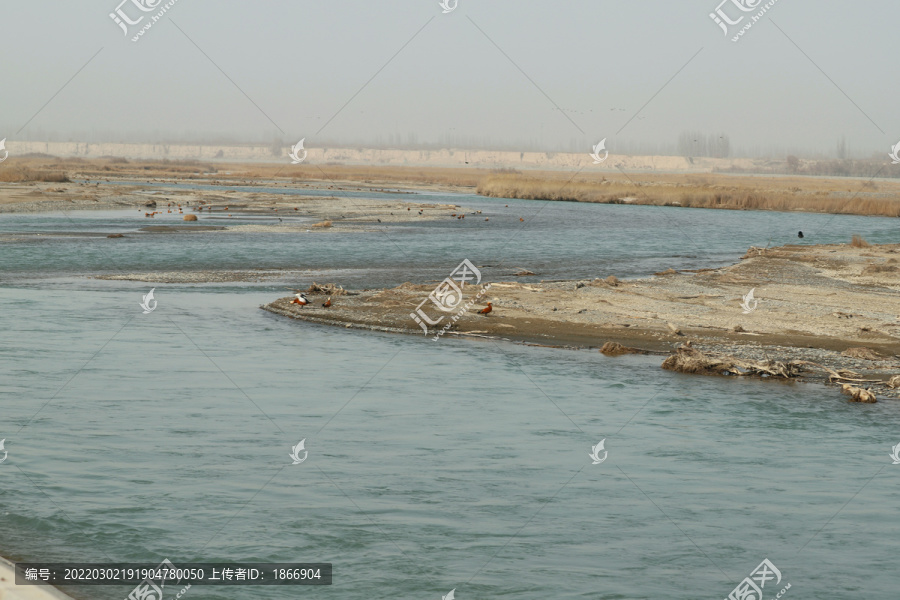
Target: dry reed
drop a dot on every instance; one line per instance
(712, 191)
(859, 242)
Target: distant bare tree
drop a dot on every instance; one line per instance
(842, 148)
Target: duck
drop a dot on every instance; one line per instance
(327, 303)
(486, 309)
(301, 299)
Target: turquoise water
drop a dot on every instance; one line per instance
(431, 466)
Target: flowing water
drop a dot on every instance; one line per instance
(432, 465)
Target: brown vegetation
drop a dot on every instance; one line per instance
(703, 191)
(859, 242)
(21, 174)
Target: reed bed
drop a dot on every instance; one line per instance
(20, 174)
(709, 191)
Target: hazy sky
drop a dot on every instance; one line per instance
(297, 63)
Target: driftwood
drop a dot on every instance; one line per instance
(692, 361)
(332, 289)
(617, 349)
(858, 394)
(864, 353)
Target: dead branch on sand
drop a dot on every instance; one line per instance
(332, 289)
(692, 361)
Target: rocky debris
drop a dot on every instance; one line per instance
(115, 235)
(524, 273)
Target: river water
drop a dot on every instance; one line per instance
(432, 465)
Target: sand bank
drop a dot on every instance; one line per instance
(811, 303)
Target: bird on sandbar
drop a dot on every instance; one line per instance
(300, 299)
(800, 234)
(327, 303)
(486, 309)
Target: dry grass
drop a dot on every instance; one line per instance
(859, 242)
(322, 224)
(20, 174)
(702, 190)
(705, 191)
(104, 167)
